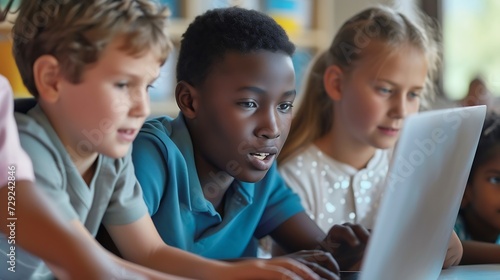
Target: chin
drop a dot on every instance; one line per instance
(251, 176)
(384, 145)
(115, 152)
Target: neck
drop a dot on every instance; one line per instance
(84, 161)
(479, 229)
(84, 164)
(214, 183)
(345, 149)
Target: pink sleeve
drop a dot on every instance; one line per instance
(11, 153)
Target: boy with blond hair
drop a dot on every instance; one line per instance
(28, 210)
(89, 64)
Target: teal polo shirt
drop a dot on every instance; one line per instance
(165, 167)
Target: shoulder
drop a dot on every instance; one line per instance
(50, 163)
(155, 134)
(160, 126)
(153, 138)
(27, 123)
(31, 132)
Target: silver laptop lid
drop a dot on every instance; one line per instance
(426, 181)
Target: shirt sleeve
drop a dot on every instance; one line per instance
(50, 172)
(126, 205)
(282, 204)
(150, 161)
(12, 156)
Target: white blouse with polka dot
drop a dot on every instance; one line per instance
(333, 192)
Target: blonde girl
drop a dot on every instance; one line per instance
(379, 69)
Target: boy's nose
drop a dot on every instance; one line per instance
(269, 126)
(140, 104)
(269, 133)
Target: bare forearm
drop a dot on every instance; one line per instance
(151, 273)
(306, 235)
(37, 227)
(178, 262)
(480, 252)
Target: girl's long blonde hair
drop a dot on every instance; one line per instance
(314, 117)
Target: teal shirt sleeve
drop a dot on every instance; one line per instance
(149, 155)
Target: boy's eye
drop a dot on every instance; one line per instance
(121, 85)
(384, 90)
(248, 104)
(285, 107)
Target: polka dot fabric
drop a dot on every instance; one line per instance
(333, 192)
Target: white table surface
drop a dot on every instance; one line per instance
(471, 272)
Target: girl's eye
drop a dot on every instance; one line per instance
(285, 107)
(494, 180)
(149, 87)
(413, 95)
(248, 104)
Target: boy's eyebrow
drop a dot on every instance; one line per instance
(292, 92)
(261, 91)
(253, 89)
(151, 78)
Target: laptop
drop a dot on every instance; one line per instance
(424, 187)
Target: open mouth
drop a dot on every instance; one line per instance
(127, 135)
(260, 156)
(261, 161)
(127, 131)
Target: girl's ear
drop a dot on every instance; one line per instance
(46, 72)
(467, 198)
(186, 97)
(332, 79)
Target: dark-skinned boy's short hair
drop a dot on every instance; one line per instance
(211, 35)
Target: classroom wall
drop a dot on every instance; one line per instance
(325, 18)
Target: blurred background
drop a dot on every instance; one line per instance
(471, 40)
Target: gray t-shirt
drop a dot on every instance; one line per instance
(114, 196)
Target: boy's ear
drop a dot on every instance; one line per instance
(332, 80)
(186, 98)
(46, 72)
